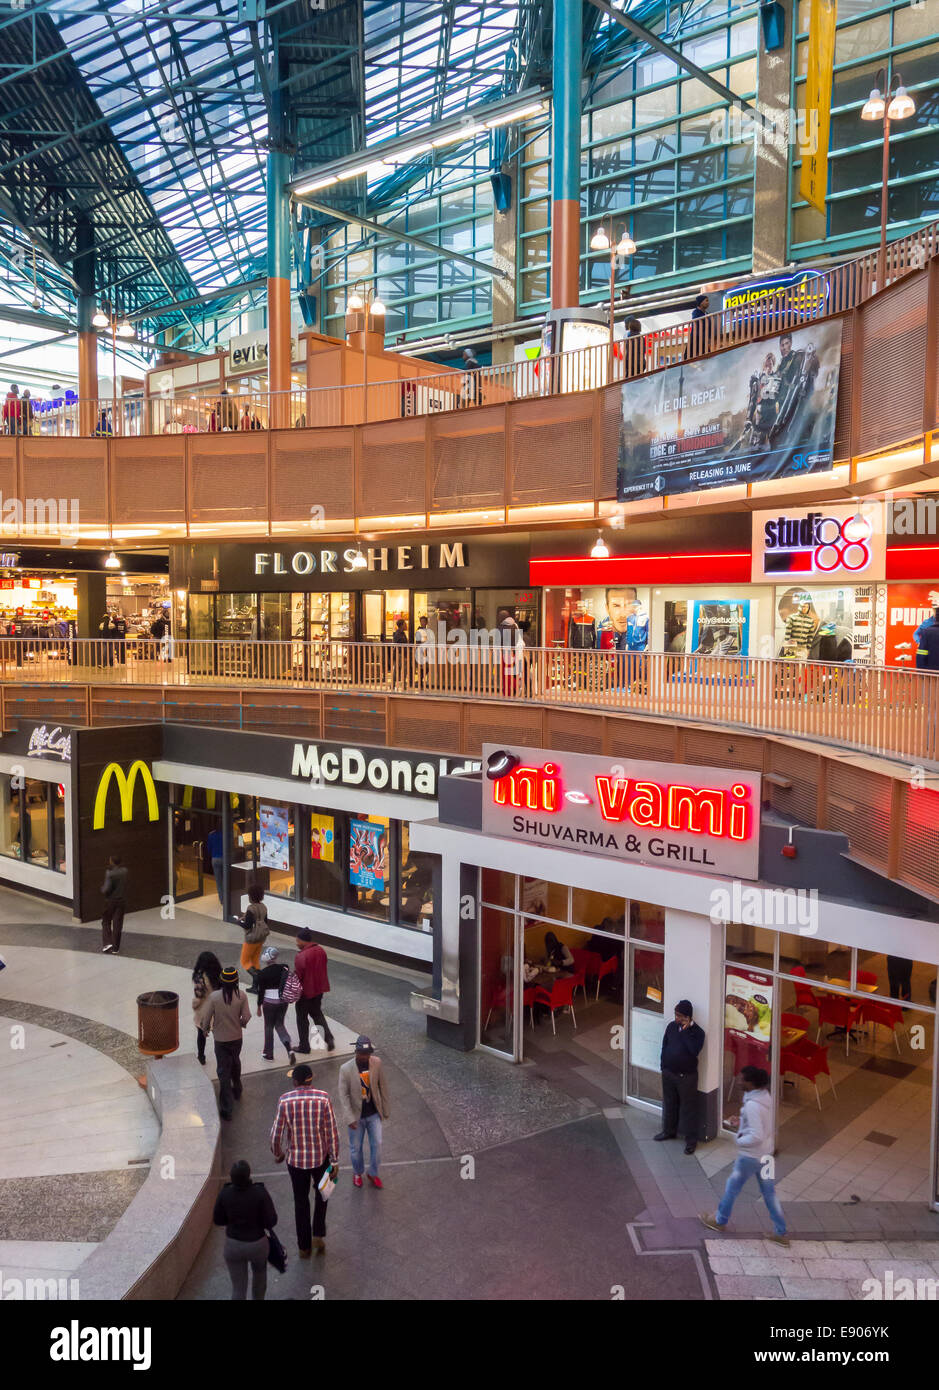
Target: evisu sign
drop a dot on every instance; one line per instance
(640, 812)
(844, 542)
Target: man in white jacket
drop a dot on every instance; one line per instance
(756, 1144)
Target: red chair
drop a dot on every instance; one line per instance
(808, 1060)
(607, 967)
(747, 1052)
(559, 996)
(498, 1001)
(792, 1021)
(866, 977)
(840, 1013)
(528, 1002)
(805, 997)
(887, 1015)
(578, 978)
(585, 963)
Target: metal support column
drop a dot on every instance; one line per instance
(278, 287)
(565, 154)
(84, 268)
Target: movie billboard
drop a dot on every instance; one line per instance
(762, 411)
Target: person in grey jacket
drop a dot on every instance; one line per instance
(363, 1104)
(227, 1014)
(756, 1144)
(115, 893)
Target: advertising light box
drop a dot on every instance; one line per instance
(664, 814)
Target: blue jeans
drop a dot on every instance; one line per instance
(370, 1125)
(745, 1168)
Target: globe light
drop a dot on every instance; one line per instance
(626, 246)
(600, 241)
(902, 106)
(125, 329)
(600, 551)
(354, 304)
(378, 308)
(99, 319)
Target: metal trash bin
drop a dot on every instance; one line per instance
(157, 1022)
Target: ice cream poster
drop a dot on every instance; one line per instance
(274, 835)
(367, 844)
(748, 1004)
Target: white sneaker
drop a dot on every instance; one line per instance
(107, 948)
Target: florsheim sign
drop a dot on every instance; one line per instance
(674, 816)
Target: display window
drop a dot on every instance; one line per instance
(822, 623)
(32, 821)
(605, 619)
(276, 846)
(910, 607)
(708, 627)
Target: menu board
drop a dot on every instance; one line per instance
(646, 1031)
(748, 1013)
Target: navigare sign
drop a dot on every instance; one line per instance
(665, 814)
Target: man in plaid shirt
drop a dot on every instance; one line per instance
(305, 1134)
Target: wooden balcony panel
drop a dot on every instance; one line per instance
(468, 460)
(228, 478)
(312, 469)
(74, 470)
(148, 482)
(552, 450)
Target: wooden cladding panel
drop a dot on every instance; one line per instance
(611, 417)
(289, 712)
(9, 484)
(573, 731)
(355, 718)
(858, 804)
(640, 738)
(714, 748)
(497, 723)
(919, 862)
(552, 450)
(68, 469)
(467, 460)
(393, 474)
(891, 385)
(148, 481)
(420, 724)
(312, 468)
(802, 770)
(228, 477)
(61, 704)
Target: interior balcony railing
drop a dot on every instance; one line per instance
(829, 294)
(881, 711)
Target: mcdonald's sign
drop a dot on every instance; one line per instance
(125, 784)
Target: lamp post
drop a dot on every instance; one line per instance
(370, 308)
(603, 241)
(887, 105)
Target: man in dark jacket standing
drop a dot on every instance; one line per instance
(927, 653)
(115, 892)
(681, 1046)
(310, 965)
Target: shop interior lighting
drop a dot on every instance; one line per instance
(358, 561)
(600, 551)
(112, 562)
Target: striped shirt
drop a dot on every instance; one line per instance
(304, 1128)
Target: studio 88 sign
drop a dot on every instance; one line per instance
(841, 544)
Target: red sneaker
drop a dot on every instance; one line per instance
(356, 1181)
(376, 1182)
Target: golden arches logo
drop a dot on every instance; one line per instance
(125, 785)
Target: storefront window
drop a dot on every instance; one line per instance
(538, 898)
(598, 618)
(497, 980)
(9, 817)
(748, 1019)
(492, 605)
(417, 872)
(498, 888)
(370, 866)
(750, 945)
(646, 1023)
(450, 607)
(819, 960)
(331, 617)
(201, 617)
(896, 976)
(58, 829)
(237, 617)
(598, 911)
(276, 846)
(36, 823)
(324, 866)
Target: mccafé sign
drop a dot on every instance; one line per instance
(836, 542)
(640, 812)
(385, 559)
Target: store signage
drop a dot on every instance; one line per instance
(250, 350)
(9, 559)
(841, 542)
(804, 292)
(640, 812)
(411, 774)
(384, 559)
(50, 743)
(209, 586)
(126, 783)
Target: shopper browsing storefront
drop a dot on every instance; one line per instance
(681, 1047)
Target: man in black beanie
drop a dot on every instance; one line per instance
(681, 1045)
